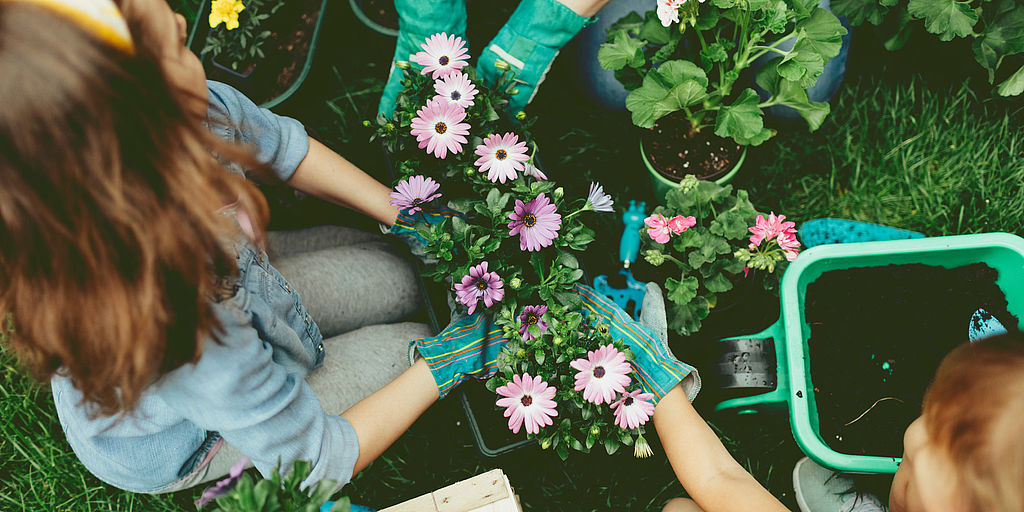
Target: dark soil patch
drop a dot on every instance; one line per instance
(675, 152)
(381, 12)
(879, 333)
(286, 52)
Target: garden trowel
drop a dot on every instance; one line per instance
(631, 297)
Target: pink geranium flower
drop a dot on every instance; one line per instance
(442, 54)
(766, 229)
(410, 193)
(535, 222)
(678, 224)
(789, 244)
(438, 127)
(527, 400)
(478, 285)
(456, 88)
(532, 315)
(602, 374)
(657, 228)
(633, 409)
(502, 155)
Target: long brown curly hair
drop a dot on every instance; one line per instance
(111, 239)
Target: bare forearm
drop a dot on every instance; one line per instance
(382, 417)
(329, 176)
(702, 464)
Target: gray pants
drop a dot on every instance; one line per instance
(354, 284)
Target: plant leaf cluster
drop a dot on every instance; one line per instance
(281, 494)
(544, 277)
(693, 67)
(242, 46)
(996, 27)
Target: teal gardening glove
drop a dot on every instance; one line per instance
(468, 347)
(653, 362)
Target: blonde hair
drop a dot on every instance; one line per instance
(973, 411)
(110, 241)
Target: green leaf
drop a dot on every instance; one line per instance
(1003, 36)
(859, 11)
(673, 85)
(538, 355)
(804, 8)
(709, 17)
(718, 283)
(742, 120)
(563, 451)
(791, 94)
(947, 18)
(462, 204)
(629, 23)
(1013, 85)
(653, 31)
(567, 259)
(686, 319)
(493, 384)
(689, 238)
(460, 228)
(621, 52)
(820, 38)
(681, 292)
(611, 446)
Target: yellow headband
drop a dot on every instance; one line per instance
(101, 17)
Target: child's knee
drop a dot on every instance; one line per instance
(681, 505)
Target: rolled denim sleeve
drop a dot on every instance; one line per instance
(257, 405)
(280, 142)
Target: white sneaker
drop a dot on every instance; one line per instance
(820, 489)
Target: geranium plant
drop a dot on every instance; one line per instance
(239, 493)
(712, 236)
(996, 28)
(508, 249)
(689, 57)
(237, 34)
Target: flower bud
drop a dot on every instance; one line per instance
(520, 115)
(389, 127)
(689, 183)
(515, 283)
(557, 341)
(595, 430)
(402, 64)
(502, 65)
(513, 91)
(545, 444)
(654, 257)
(520, 353)
(558, 193)
(366, 123)
(470, 171)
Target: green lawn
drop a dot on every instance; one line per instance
(910, 144)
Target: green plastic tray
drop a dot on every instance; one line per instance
(1002, 251)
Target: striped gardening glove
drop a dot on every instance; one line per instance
(653, 362)
(468, 347)
(405, 228)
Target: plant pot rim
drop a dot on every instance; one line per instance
(717, 177)
(357, 9)
(230, 70)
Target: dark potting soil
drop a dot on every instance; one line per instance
(675, 152)
(877, 335)
(382, 12)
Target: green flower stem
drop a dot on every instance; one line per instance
(577, 212)
(681, 265)
(772, 47)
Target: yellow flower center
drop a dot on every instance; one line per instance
(529, 220)
(501, 154)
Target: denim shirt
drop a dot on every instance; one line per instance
(249, 388)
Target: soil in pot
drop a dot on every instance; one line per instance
(877, 336)
(286, 50)
(675, 151)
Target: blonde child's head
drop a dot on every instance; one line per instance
(110, 236)
(966, 451)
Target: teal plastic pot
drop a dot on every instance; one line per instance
(197, 38)
(794, 390)
(662, 185)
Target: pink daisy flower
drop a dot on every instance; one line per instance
(456, 88)
(438, 127)
(442, 54)
(527, 399)
(479, 284)
(532, 315)
(657, 228)
(503, 155)
(598, 200)
(678, 224)
(535, 222)
(532, 171)
(410, 193)
(602, 374)
(633, 409)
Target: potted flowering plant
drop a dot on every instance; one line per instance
(683, 64)
(506, 239)
(239, 493)
(263, 48)
(702, 232)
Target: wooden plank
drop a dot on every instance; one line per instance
(473, 493)
(423, 503)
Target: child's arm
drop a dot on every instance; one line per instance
(702, 464)
(329, 176)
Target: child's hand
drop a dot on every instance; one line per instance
(658, 369)
(468, 347)
(405, 228)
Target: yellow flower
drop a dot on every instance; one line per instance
(225, 11)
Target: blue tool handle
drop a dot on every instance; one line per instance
(629, 245)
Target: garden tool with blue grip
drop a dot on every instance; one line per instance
(630, 298)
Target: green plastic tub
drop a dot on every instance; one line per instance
(794, 391)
